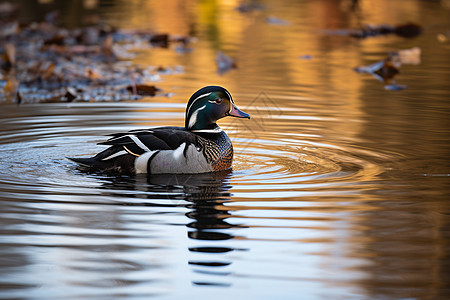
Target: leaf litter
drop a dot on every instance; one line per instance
(43, 62)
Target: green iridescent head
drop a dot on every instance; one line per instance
(208, 105)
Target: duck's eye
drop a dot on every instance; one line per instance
(218, 100)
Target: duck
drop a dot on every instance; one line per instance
(201, 146)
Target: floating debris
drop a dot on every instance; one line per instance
(160, 40)
(408, 30)
(10, 90)
(143, 89)
(385, 70)
(224, 63)
(71, 94)
(164, 41)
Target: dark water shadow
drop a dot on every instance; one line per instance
(204, 196)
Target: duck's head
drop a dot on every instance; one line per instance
(208, 105)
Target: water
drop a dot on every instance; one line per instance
(338, 190)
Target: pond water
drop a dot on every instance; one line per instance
(339, 187)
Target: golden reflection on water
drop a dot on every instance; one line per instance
(332, 169)
(324, 88)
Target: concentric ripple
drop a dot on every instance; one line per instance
(293, 167)
(269, 165)
(285, 186)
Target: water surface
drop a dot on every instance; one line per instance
(338, 190)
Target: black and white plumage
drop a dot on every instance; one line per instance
(199, 147)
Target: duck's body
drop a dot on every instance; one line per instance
(163, 150)
(199, 147)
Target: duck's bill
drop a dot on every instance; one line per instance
(236, 112)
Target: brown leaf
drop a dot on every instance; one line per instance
(388, 71)
(384, 70)
(107, 46)
(408, 30)
(93, 74)
(224, 62)
(410, 56)
(48, 71)
(143, 89)
(56, 40)
(10, 53)
(160, 40)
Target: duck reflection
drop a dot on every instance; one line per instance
(203, 194)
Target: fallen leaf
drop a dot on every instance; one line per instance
(371, 30)
(160, 40)
(55, 40)
(11, 89)
(93, 74)
(107, 46)
(408, 30)
(71, 94)
(94, 60)
(10, 53)
(384, 70)
(443, 37)
(387, 71)
(143, 89)
(48, 70)
(224, 62)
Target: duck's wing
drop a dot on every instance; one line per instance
(126, 146)
(137, 142)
